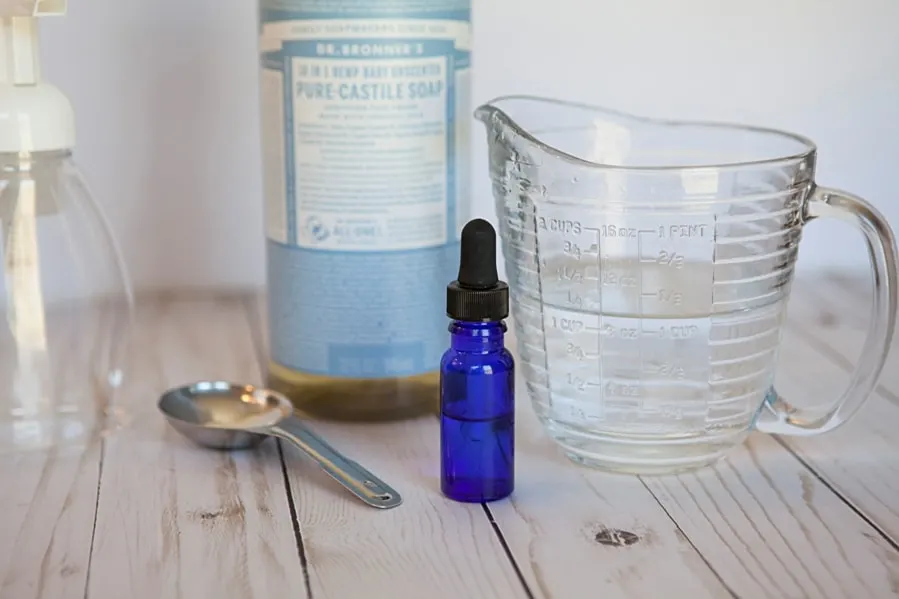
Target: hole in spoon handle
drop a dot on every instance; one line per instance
(351, 475)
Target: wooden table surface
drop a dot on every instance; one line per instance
(142, 514)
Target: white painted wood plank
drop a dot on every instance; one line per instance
(770, 528)
(788, 534)
(839, 320)
(47, 503)
(175, 520)
(552, 522)
(761, 486)
(580, 533)
(821, 343)
(427, 547)
(48, 498)
(857, 285)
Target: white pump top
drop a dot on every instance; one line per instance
(34, 115)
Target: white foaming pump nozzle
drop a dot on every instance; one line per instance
(35, 116)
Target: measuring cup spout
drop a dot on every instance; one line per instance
(558, 134)
(491, 115)
(498, 123)
(512, 122)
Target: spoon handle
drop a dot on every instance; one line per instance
(356, 479)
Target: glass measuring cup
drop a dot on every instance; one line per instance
(650, 264)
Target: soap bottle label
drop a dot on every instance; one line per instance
(366, 121)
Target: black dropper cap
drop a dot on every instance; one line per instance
(477, 295)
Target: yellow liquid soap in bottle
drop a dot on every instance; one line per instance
(365, 120)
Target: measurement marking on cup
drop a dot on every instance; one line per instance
(581, 383)
(577, 274)
(667, 296)
(575, 299)
(619, 279)
(578, 353)
(685, 230)
(600, 285)
(666, 258)
(668, 370)
(640, 329)
(574, 249)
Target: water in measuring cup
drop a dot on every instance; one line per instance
(650, 364)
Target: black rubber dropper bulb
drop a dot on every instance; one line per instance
(477, 294)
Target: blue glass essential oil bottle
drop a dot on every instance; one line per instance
(477, 378)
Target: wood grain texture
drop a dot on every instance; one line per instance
(576, 533)
(47, 504)
(175, 520)
(428, 547)
(48, 498)
(860, 459)
(835, 323)
(770, 528)
(761, 486)
(766, 525)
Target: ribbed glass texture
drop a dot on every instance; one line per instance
(649, 264)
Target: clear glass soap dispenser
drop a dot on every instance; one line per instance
(65, 293)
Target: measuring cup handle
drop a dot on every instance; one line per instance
(777, 415)
(351, 475)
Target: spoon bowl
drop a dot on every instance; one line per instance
(227, 416)
(220, 415)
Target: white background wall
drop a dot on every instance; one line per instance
(166, 98)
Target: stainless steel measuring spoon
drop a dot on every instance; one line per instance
(223, 415)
